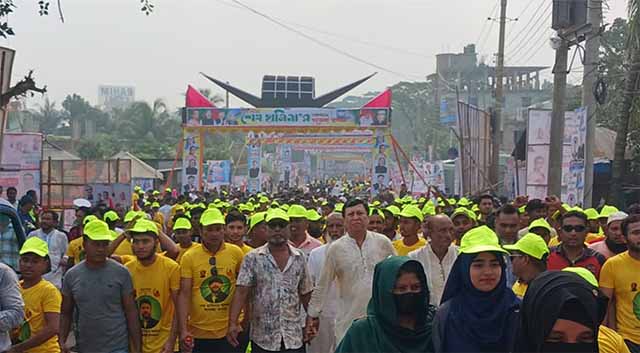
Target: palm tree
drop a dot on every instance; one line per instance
(631, 86)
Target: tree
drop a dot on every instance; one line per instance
(7, 7)
(629, 101)
(47, 117)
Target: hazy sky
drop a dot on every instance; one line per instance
(112, 42)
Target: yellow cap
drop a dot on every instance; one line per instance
(182, 223)
(480, 239)
(462, 211)
(394, 210)
(155, 205)
(263, 199)
(276, 213)
(155, 192)
(111, 216)
(540, 223)
(606, 211)
(338, 207)
(114, 234)
(136, 188)
(584, 273)
(35, 245)
(212, 216)
(532, 245)
(297, 211)
(130, 216)
(256, 219)
(97, 230)
(464, 202)
(313, 215)
(144, 226)
(592, 214)
(88, 219)
(376, 211)
(412, 211)
(167, 190)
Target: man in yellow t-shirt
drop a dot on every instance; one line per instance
(207, 284)
(236, 230)
(156, 282)
(182, 233)
(42, 301)
(528, 260)
(619, 280)
(410, 224)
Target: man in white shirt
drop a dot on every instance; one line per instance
(57, 242)
(326, 339)
(350, 262)
(438, 256)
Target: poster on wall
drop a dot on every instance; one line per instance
(22, 151)
(191, 173)
(254, 155)
(286, 176)
(22, 180)
(218, 173)
(111, 195)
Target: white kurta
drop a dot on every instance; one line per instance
(437, 271)
(326, 339)
(351, 267)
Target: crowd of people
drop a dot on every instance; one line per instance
(313, 271)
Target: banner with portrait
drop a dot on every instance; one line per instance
(254, 168)
(286, 167)
(267, 118)
(22, 180)
(380, 169)
(191, 162)
(218, 173)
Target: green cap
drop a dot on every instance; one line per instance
(212, 216)
(111, 216)
(338, 208)
(144, 226)
(130, 216)
(167, 190)
(375, 203)
(462, 211)
(606, 211)
(256, 219)
(155, 192)
(412, 211)
(263, 199)
(35, 245)
(182, 223)
(277, 213)
(297, 211)
(464, 202)
(532, 245)
(394, 210)
(89, 218)
(155, 205)
(592, 214)
(313, 215)
(97, 230)
(480, 239)
(584, 273)
(376, 211)
(522, 209)
(429, 209)
(540, 223)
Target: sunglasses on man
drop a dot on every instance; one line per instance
(577, 229)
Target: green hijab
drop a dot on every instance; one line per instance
(379, 332)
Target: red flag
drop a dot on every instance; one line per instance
(383, 100)
(195, 99)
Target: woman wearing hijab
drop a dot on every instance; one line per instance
(479, 313)
(399, 316)
(562, 312)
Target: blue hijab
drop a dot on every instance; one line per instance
(478, 321)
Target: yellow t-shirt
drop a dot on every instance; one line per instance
(152, 287)
(609, 341)
(211, 293)
(246, 248)
(519, 289)
(75, 250)
(404, 250)
(124, 248)
(42, 298)
(620, 274)
(182, 251)
(159, 219)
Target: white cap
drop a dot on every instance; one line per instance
(617, 216)
(81, 203)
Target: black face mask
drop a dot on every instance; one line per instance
(614, 247)
(560, 347)
(407, 303)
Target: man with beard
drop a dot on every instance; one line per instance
(614, 242)
(326, 339)
(350, 262)
(273, 279)
(315, 224)
(619, 281)
(155, 278)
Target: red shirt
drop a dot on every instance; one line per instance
(590, 259)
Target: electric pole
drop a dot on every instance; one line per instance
(554, 174)
(497, 131)
(592, 46)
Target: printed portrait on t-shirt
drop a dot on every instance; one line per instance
(149, 311)
(215, 289)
